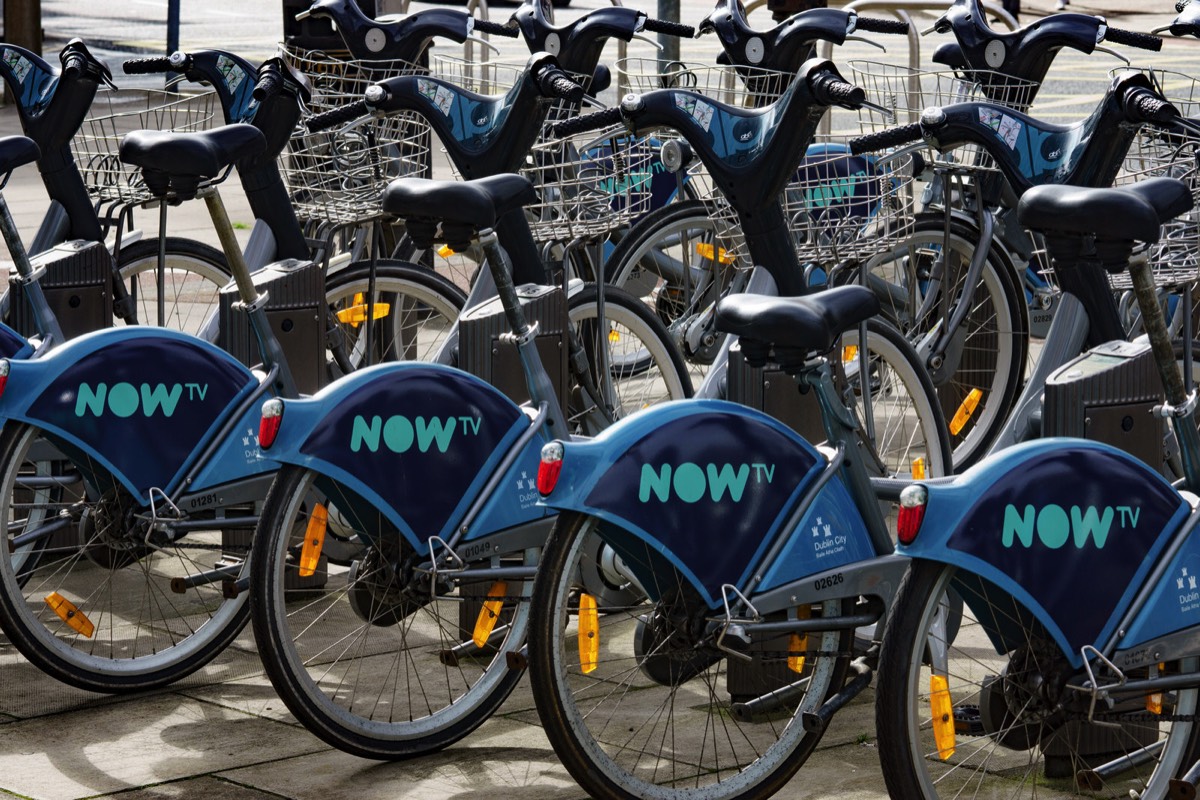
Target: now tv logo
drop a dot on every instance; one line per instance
(690, 482)
(1055, 526)
(124, 399)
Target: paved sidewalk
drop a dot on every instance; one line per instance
(223, 734)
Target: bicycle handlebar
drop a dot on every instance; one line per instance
(588, 122)
(337, 116)
(74, 65)
(553, 82)
(1143, 41)
(878, 25)
(269, 85)
(670, 28)
(831, 90)
(147, 66)
(895, 137)
(496, 29)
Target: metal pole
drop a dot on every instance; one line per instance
(23, 24)
(172, 34)
(669, 10)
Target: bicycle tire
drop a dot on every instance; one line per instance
(995, 341)
(416, 309)
(392, 693)
(645, 367)
(900, 389)
(624, 733)
(195, 273)
(145, 632)
(999, 736)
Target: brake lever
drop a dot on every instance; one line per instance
(865, 40)
(1111, 52)
(1157, 31)
(484, 42)
(648, 40)
(887, 113)
(931, 29)
(303, 15)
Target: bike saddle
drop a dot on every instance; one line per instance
(180, 161)
(17, 151)
(794, 326)
(950, 54)
(461, 207)
(1132, 213)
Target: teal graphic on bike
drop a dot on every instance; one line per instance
(1054, 525)
(399, 433)
(124, 399)
(690, 482)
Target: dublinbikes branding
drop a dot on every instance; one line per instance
(400, 434)
(124, 399)
(691, 482)
(1055, 526)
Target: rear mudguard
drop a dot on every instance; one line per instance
(140, 401)
(416, 443)
(708, 485)
(1066, 527)
(13, 344)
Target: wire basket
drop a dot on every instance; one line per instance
(115, 113)
(906, 92)
(745, 87)
(589, 184)
(338, 176)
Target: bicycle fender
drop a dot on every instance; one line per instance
(138, 400)
(13, 344)
(1069, 528)
(417, 442)
(705, 484)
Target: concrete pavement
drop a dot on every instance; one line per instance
(223, 733)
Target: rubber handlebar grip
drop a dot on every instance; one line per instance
(74, 65)
(670, 28)
(885, 139)
(1144, 41)
(495, 28)
(588, 122)
(268, 86)
(337, 116)
(877, 25)
(146, 66)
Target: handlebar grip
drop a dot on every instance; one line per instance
(554, 82)
(1144, 41)
(832, 91)
(74, 65)
(268, 86)
(1181, 5)
(588, 122)
(885, 139)
(146, 66)
(336, 116)
(670, 28)
(877, 25)
(495, 28)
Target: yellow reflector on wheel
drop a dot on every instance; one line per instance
(314, 540)
(705, 251)
(613, 336)
(1154, 700)
(918, 469)
(589, 634)
(963, 415)
(71, 615)
(943, 715)
(444, 251)
(486, 621)
(356, 314)
(798, 642)
(849, 353)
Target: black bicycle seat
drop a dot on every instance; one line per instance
(811, 323)
(16, 151)
(1132, 213)
(183, 159)
(951, 55)
(478, 203)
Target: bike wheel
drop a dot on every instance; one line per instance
(1006, 736)
(413, 311)
(647, 713)
(632, 363)
(985, 367)
(896, 402)
(193, 278)
(374, 661)
(108, 604)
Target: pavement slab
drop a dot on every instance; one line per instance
(208, 788)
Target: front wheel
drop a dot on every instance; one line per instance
(192, 281)
(634, 695)
(956, 718)
(89, 591)
(371, 657)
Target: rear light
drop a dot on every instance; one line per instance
(268, 425)
(912, 512)
(550, 467)
(3, 375)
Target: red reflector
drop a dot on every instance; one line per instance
(912, 512)
(550, 467)
(3, 375)
(268, 424)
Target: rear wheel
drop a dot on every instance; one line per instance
(192, 281)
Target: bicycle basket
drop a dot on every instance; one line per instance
(115, 113)
(746, 87)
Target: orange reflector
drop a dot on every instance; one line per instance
(444, 251)
(1154, 701)
(69, 614)
(589, 634)
(943, 715)
(705, 251)
(356, 314)
(849, 353)
(918, 469)
(963, 415)
(486, 621)
(613, 336)
(314, 540)
(798, 642)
